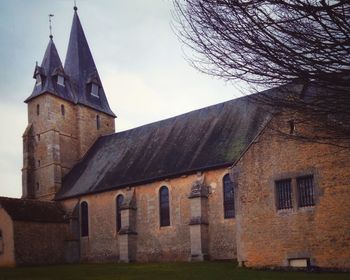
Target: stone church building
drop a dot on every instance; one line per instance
(217, 183)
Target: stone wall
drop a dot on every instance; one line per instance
(7, 256)
(40, 243)
(270, 237)
(58, 137)
(155, 243)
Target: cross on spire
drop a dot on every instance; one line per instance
(50, 25)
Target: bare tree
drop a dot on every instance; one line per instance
(278, 44)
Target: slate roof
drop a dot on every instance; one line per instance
(207, 138)
(80, 67)
(33, 210)
(51, 65)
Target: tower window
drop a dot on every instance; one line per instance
(37, 186)
(119, 201)
(94, 90)
(98, 124)
(39, 163)
(38, 80)
(63, 112)
(84, 219)
(60, 80)
(37, 109)
(164, 211)
(229, 198)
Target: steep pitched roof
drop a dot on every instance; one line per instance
(33, 210)
(208, 138)
(51, 65)
(81, 68)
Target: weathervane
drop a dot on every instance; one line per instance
(50, 25)
(75, 5)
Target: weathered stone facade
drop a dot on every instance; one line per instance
(153, 242)
(59, 133)
(270, 237)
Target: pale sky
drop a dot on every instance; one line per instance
(140, 61)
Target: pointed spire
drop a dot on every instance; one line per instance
(80, 67)
(46, 75)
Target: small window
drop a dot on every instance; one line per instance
(1, 242)
(39, 162)
(284, 194)
(98, 122)
(38, 80)
(229, 197)
(63, 111)
(84, 216)
(119, 203)
(164, 211)
(306, 191)
(38, 137)
(37, 109)
(94, 90)
(37, 187)
(60, 80)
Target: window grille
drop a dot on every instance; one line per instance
(229, 197)
(306, 192)
(284, 194)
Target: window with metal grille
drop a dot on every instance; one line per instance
(229, 197)
(164, 212)
(284, 194)
(306, 191)
(84, 216)
(119, 202)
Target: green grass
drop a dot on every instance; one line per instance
(167, 271)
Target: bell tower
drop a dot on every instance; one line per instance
(67, 111)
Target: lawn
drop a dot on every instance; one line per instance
(168, 271)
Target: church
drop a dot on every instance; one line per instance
(213, 184)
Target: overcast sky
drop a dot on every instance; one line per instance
(140, 61)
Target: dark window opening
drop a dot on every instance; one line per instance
(306, 191)
(38, 137)
(98, 122)
(1, 242)
(229, 197)
(37, 186)
(291, 126)
(284, 194)
(37, 109)
(164, 211)
(120, 199)
(39, 163)
(63, 111)
(84, 216)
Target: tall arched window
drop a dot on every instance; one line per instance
(164, 212)
(37, 109)
(119, 202)
(98, 122)
(229, 197)
(63, 111)
(84, 216)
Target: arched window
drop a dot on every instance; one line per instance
(1, 243)
(84, 216)
(119, 202)
(98, 122)
(37, 109)
(63, 111)
(229, 198)
(164, 212)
